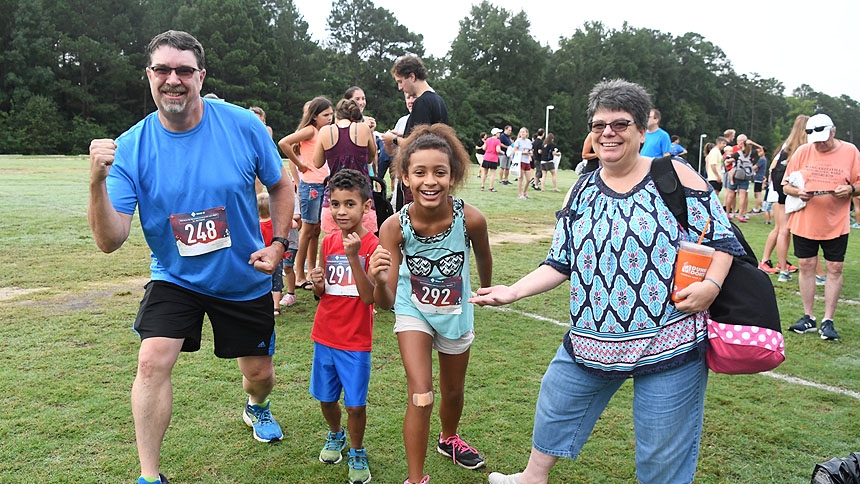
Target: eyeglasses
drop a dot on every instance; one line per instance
(817, 129)
(617, 126)
(182, 72)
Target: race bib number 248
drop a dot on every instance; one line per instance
(198, 233)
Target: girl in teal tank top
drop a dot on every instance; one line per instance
(421, 270)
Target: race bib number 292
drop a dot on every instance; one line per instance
(198, 233)
(437, 296)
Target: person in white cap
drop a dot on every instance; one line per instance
(830, 169)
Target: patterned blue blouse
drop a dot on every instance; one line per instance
(619, 251)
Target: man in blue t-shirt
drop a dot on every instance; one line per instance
(189, 169)
(657, 142)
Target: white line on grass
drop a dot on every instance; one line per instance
(807, 383)
(786, 378)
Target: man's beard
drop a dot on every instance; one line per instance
(174, 107)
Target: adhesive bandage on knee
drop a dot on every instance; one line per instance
(422, 399)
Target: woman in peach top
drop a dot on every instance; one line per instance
(318, 113)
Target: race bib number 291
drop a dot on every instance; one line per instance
(200, 232)
(339, 279)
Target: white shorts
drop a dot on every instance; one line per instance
(441, 344)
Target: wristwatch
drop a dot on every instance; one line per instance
(282, 241)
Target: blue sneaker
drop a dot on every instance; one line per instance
(359, 469)
(161, 480)
(266, 428)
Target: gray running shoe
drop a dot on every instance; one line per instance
(804, 325)
(827, 330)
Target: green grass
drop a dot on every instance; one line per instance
(68, 358)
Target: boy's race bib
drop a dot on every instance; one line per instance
(339, 279)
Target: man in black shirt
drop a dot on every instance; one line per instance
(428, 108)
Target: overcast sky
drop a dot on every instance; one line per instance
(810, 42)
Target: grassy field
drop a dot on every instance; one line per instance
(68, 358)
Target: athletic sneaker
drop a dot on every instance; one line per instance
(462, 453)
(334, 444)
(767, 266)
(424, 480)
(805, 325)
(789, 267)
(498, 478)
(820, 281)
(266, 428)
(827, 330)
(855, 225)
(288, 300)
(359, 470)
(784, 276)
(161, 480)
(742, 219)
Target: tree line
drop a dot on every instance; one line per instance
(73, 70)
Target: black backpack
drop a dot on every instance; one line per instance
(381, 201)
(731, 305)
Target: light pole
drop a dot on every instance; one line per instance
(546, 126)
(701, 139)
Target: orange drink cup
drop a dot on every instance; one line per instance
(691, 265)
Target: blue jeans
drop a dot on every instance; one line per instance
(311, 197)
(667, 415)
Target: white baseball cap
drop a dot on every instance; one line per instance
(495, 131)
(818, 128)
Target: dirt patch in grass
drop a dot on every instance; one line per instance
(91, 297)
(520, 237)
(7, 293)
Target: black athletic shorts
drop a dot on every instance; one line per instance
(834, 249)
(240, 328)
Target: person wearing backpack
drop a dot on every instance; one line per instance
(743, 173)
(623, 322)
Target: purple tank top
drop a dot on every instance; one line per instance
(345, 154)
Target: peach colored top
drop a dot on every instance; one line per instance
(825, 217)
(306, 151)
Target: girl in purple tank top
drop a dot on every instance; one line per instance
(348, 143)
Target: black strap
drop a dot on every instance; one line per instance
(671, 190)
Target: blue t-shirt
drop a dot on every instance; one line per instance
(761, 170)
(194, 192)
(656, 144)
(676, 149)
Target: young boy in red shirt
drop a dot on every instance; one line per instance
(343, 325)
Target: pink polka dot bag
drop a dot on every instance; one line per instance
(742, 349)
